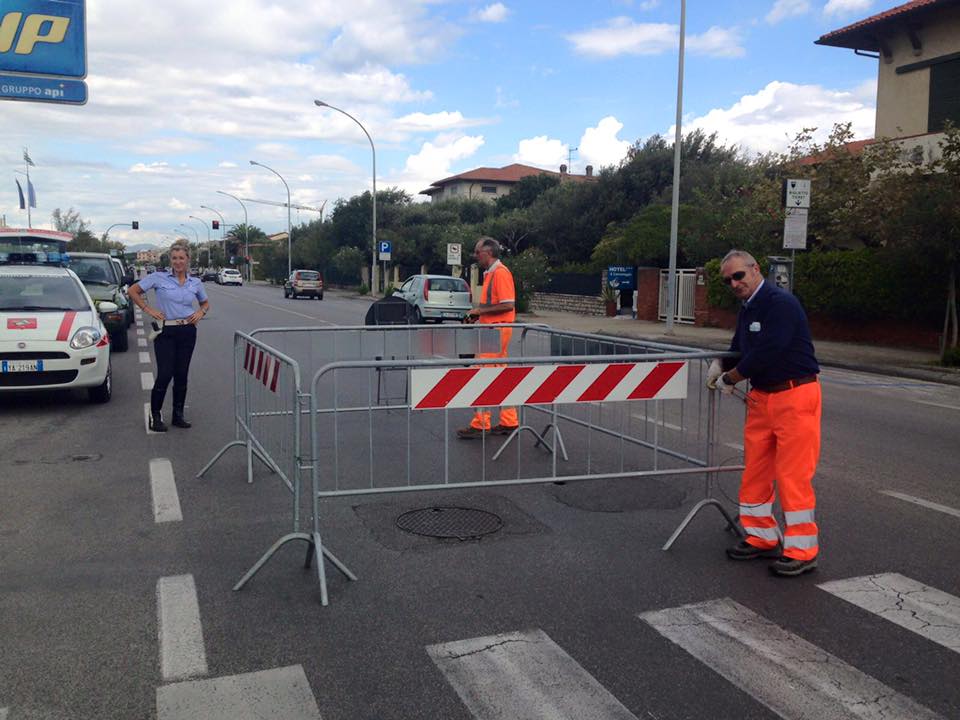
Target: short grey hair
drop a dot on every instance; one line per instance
(747, 258)
(490, 244)
(181, 245)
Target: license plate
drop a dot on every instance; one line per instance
(451, 314)
(12, 366)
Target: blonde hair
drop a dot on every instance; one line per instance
(181, 245)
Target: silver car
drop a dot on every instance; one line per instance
(436, 297)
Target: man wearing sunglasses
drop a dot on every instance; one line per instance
(781, 437)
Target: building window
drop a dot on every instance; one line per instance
(944, 95)
(489, 189)
(453, 189)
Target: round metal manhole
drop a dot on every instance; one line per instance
(450, 522)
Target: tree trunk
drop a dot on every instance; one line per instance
(952, 306)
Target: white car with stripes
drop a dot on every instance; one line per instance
(51, 335)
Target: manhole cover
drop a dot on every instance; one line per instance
(450, 522)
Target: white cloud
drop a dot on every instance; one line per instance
(175, 204)
(543, 152)
(502, 101)
(600, 145)
(170, 146)
(495, 13)
(227, 164)
(769, 119)
(434, 160)
(154, 167)
(783, 9)
(432, 122)
(846, 7)
(623, 36)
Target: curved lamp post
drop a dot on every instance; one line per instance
(223, 227)
(373, 149)
(289, 246)
(246, 234)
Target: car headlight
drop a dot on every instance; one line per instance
(85, 337)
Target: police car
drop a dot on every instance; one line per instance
(51, 335)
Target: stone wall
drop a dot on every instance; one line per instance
(579, 304)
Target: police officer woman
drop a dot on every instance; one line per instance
(175, 292)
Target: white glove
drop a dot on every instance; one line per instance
(713, 373)
(724, 387)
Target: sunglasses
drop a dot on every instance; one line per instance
(736, 277)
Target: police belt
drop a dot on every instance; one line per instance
(184, 321)
(788, 385)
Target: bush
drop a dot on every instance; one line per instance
(389, 290)
(363, 289)
(530, 273)
(951, 357)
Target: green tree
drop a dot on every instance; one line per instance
(530, 273)
(347, 261)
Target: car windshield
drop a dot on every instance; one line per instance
(448, 285)
(39, 294)
(308, 275)
(93, 271)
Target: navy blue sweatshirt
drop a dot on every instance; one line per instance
(773, 339)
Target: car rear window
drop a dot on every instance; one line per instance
(308, 275)
(449, 285)
(40, 293)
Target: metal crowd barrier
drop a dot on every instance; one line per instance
(384, 403)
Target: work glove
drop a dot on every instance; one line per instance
(713, 373)
(724, 387)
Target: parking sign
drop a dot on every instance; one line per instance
(385, 249)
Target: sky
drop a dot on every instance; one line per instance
(182, 95)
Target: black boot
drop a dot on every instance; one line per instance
(179, 400)
(156, 404)
(156, 422)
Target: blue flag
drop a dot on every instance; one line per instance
(23, 205)
(31, 194)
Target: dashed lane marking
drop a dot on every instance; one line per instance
(782, 671)
(277, 307)
(924, 610)
(145, 358)
(146, 380)
(140, 331)
(163, 488)
(182, 654)
(921, 502)
(933, 404)
(279, 693)
(141, 342)
(523, 675)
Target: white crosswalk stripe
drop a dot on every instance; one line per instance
(523, 675)
(790, 676)
(928, 612)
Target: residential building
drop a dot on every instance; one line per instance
(490, 183)
(148, 257)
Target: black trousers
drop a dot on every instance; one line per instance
(173, 348)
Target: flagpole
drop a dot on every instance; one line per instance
(26, 164)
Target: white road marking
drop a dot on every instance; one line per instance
(3, 713)
(141, 342)
(923, 503)
(146, 420)
(140, 331)
(146, 380)
(792, 677)
(648, 419)
(163, 488)
(278, 693)
(523, 675)
(182, 654)
(930, 613)
(282, 309)
(145, 358)
(933, 404)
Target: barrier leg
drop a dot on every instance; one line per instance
(270, 466)
(540, 440)
(693, 512)
(316, 544)
(269, 554)
(219, 455)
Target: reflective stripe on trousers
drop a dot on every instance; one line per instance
(508, 415)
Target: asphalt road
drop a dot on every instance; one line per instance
(571, 610)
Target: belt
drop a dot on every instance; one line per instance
(184, 321)
(788, 385)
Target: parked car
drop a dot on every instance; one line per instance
(96, 272)
(229, 276)
(51, 334)
(303, 283)
(126, 279)
(210, 276)
(436, 297)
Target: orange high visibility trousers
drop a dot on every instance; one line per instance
(781, 441)
(508, 415)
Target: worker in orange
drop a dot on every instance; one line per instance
(497, 305)
(781, 437)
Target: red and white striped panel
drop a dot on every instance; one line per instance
(546, 384)
(262, 366)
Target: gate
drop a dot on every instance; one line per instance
(686, 295)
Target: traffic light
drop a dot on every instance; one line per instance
(135, 224)
(216, 224)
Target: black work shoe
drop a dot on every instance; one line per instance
(156, 422)
(499, 429)
(788, 567)
(745, 551)
(179, 421)
(469, 433)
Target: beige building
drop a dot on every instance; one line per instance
(148, 257)
(917, 46)
(491, 183)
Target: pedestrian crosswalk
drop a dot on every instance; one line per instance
(525, 675)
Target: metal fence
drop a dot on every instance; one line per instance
(383, 405)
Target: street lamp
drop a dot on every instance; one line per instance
(192, 229)
(675, 204)
(246, 234)
(289, 246)
(373, 257)
(135, 225)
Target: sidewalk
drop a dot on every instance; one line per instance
(905, 363)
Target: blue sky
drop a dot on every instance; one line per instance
(178, 107)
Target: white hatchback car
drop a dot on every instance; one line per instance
(229, 276)
(436, 297)
(51, 335)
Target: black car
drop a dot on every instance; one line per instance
(209, 275)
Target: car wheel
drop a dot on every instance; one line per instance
(103, 392)
(285, 294)
(417, 316)
(119, 341)
(320, 296)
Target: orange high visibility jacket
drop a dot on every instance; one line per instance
(497, 288)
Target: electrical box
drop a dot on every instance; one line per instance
(780, 272)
